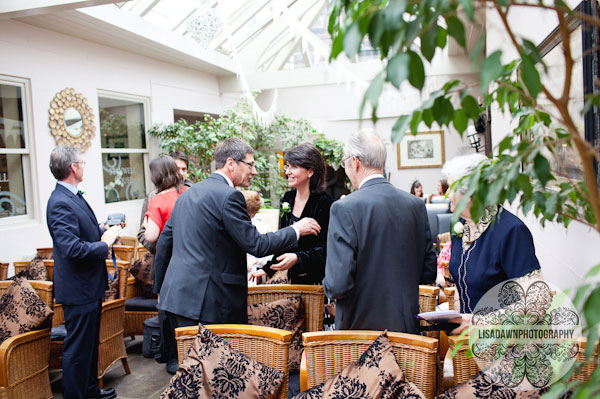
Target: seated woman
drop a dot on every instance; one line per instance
(442, 187)
(493, 249)
(305, 170)
(169, 185)
(416, 189)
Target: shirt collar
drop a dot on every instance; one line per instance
(68, 186)
(370, 177)
(226, 178)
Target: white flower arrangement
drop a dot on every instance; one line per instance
(459, 229)
(285, 208)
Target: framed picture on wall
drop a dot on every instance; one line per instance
(425, 150)
(565, 161)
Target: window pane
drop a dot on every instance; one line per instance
(12, 186)
(121, 123)
(123, 177)
(12, 133)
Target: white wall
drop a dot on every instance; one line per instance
(52, 62)
(564, 254)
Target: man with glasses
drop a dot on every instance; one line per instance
(80, 247)
(200, 263)
(379, 247)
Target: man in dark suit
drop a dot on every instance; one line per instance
(379, 247)
(200, 263)
(80, 247)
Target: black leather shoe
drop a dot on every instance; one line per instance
(172, 366)
(108, 393)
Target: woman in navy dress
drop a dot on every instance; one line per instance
(496, 248)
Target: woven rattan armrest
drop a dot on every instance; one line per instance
(3, 271)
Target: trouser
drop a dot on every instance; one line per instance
(173, 321)
(80, 349)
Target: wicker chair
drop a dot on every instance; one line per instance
(428, 298)
(131, 241)
(111, 347)
(313, 297)
(140, 252)
(20, 265)
(326, 353)
(450, 292)
(265, 344)
(24, 357)
(3, 271)
(134, 319)
(124, 252)
(465, 367)
(45, 253)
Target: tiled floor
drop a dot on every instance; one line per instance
(147, 380)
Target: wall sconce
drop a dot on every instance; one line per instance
(478, 133)
(474, 139)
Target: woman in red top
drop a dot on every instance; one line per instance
(169, 185)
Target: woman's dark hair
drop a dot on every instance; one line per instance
(181, 156)
(165, 174)
(444, 184)
(414, 185)
(308, 156)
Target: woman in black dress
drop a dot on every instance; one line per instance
(305, 169)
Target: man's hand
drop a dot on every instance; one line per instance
(111, 235)
(307, 226)
(257, 275)
(286, 261)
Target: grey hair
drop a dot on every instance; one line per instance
(61, 159)
(233, 148)
(368, 147)
(461, 166)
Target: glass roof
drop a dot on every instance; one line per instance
(267, 35)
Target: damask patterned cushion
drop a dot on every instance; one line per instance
(214, 370)
(481, 386)
(21, 309)
(280, 277)
(375, 375)
(142, 271)
(287, 314)
(113, 289)
(35, 270)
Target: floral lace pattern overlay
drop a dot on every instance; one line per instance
(525, 334)
(214, 370)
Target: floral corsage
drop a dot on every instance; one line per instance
(459, 229)
(285, 209)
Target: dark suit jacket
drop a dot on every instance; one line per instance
(379, 250)
(79, 255)
(312, 250)
(200, 263)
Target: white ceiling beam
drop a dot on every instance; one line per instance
(26, 8)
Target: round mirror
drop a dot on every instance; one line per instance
(73, 122)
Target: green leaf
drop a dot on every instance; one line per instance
(400, 128)
(428, 117)
(352, 40)
(442, 111)
(376, 29)
(471, 107)
(398, 69)
(542, 169)
(428, 43)
(442, 37)
(460, 121)
(456, 29)
(415, 121)
(337, 46)
(491, 69)
(530, 75)
(417, 71)
(505, 144)
(591, 308)
(467, 5)
(372, 94)
(593, 271)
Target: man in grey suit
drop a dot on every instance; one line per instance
(200, 262)
(379, 246)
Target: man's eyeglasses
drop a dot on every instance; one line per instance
(251, 164)
(343, 161)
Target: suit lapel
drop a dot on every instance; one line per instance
(85, 207)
